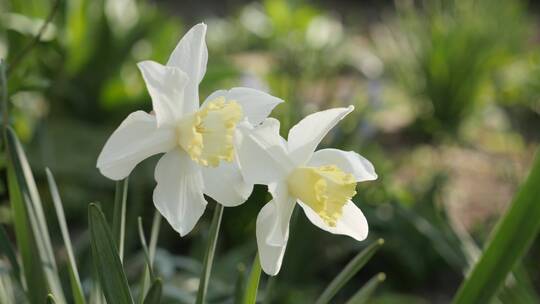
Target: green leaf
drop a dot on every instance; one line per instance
(96, 292)
(34, 277)
(76, 288)
(119, 216)
(7, 289)
(209, 255)
(50, 299)
(154, 294)
(30, 225)
(362, 296)
(106, 259)
(348, 272)
(509, 241)
(250, 295)
(145, 279)
(145, 249)
(239, 287)
(9, 252)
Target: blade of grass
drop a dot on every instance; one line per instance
(145, 249)
(250, 295)
(106, 259)
(209, 255)
(348, 272)
(145, 279)
(34, 278)
(508, 243)
(119, 216)
(154, 294)
(78, 294)
(9, 252)
(362, 296)
(51, 274)
(28, 210)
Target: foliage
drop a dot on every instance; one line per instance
(463, 74)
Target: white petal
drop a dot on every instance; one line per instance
(137, 138)
(306, 135)
(178, 195)
(353, 222)
(284, 209)
(191, 56)
(348, 161)
(261, 152)
(225, 184)
(270, 256)
(166, 87)
(256, 105)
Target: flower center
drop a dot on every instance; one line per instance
(207, 135)
(325, 189)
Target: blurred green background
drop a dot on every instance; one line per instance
(447, 97)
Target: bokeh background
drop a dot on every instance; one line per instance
(447, 97)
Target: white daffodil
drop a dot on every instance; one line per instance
(198, 142)
(321, 182)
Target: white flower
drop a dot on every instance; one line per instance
(321, 182)
(198, 142)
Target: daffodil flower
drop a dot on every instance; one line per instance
(322, 182)
(198, 142)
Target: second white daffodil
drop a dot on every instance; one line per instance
(321, 182)
(198, 141)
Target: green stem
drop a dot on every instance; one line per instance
(209, 255)
(119, 215)
(252, 287)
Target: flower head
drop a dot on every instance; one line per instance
(198, 140)
(322, 182)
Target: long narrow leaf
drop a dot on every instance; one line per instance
(250, 296)
(51, 274)
(209, 255)
(362, 296)
(34, 278)
(119, 216)
(349, 271)
(28, 185)
(508, 243)
(106, 259)
(154, 294)
(96, 292)
(50, 299)
(239, 288)
(145, 279)
(36, 216)
(78, 294)
(9, 252)
(7, 289)
(146, 252)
